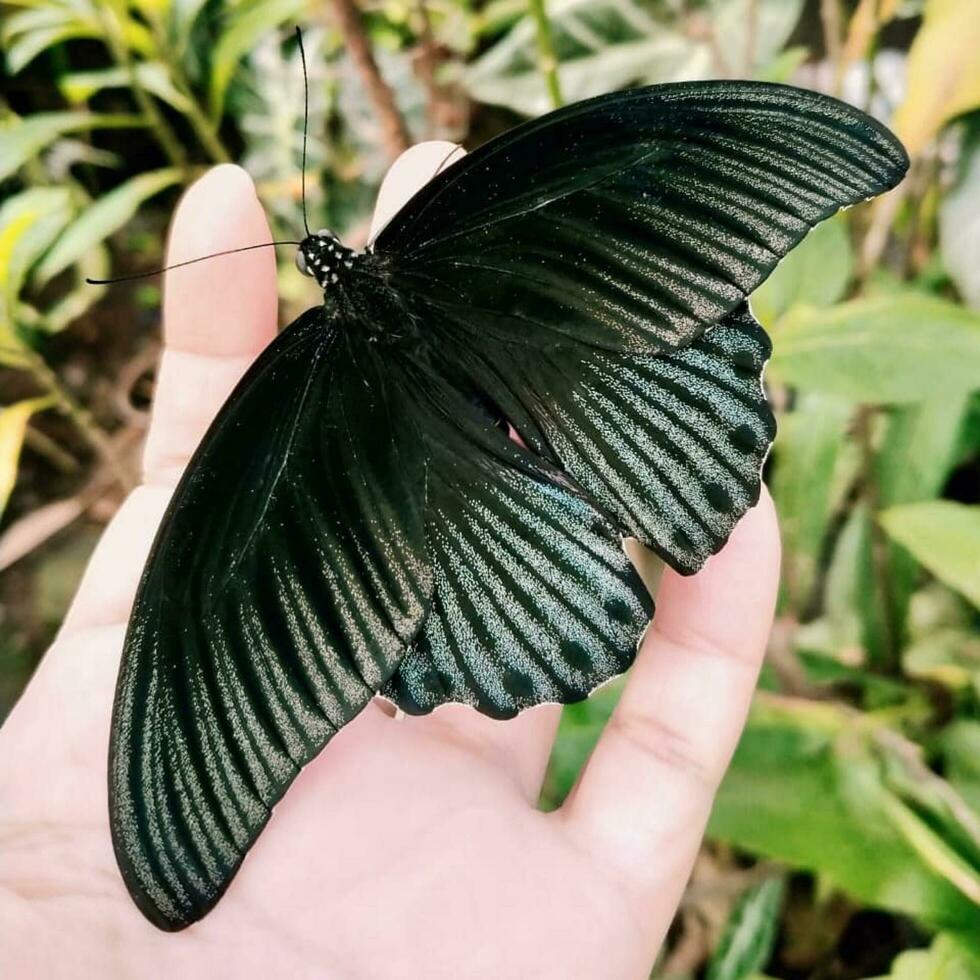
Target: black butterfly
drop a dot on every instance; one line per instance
(357, 520)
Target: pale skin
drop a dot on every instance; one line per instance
(411, 847)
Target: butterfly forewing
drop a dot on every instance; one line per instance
(635, 221)
(288, 576)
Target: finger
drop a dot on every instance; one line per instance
(408, 174)
(643, 799)
(217, 315)
(523, 744)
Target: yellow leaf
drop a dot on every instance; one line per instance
(13, 426)
(943, 72)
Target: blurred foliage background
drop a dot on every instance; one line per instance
(846, 839)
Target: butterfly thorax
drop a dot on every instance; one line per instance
(325, 258)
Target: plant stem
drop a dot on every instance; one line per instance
(161, 128)
(394, 132)
(205, 129)
(878, 542)
(547, 62)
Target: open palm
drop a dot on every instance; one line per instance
(412, 846)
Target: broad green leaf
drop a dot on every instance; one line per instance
(877, 691)
(812, 785)
(900, 347)
(948, 958)
(246, 24)
(602, 45)
(944, 537)
(101, 218)
(815, 273)
(920, 447)
(29, 223)
(79, 86)
(959, 224)
(813, 463)
(23, 139)
(750, 934)
(13, 426)
(943, 76)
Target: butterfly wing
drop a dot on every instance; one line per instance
(535, 599)
(666, 448)
(634, 221)
(287, 578)
(587, 275)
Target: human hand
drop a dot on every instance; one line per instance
(412, 846)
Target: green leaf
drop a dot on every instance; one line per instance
(945, 537)
(813, 465)
(28, 33)
(79, 86)
(948, 958)
(920, 446)
(13, 426)
(246, 25)
(851, 604)
(100, 219)
(950, 657)
(750, 934)
(816, 785)
(815, 273)
(902, 347)
(602, 45)
(29, 223)
(960, 747)
(23, 139)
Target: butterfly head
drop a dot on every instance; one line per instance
(323, 257)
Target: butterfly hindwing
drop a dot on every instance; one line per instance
(634, 221)
(672, 444)
(288, 576)
(535, 599)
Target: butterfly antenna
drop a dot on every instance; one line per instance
(306, 123)
(178, 265)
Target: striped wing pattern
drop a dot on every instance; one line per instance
(535, 601)
(672, 445)
(357, 521)
(637, 220)
(530, 608)
(287, 578)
